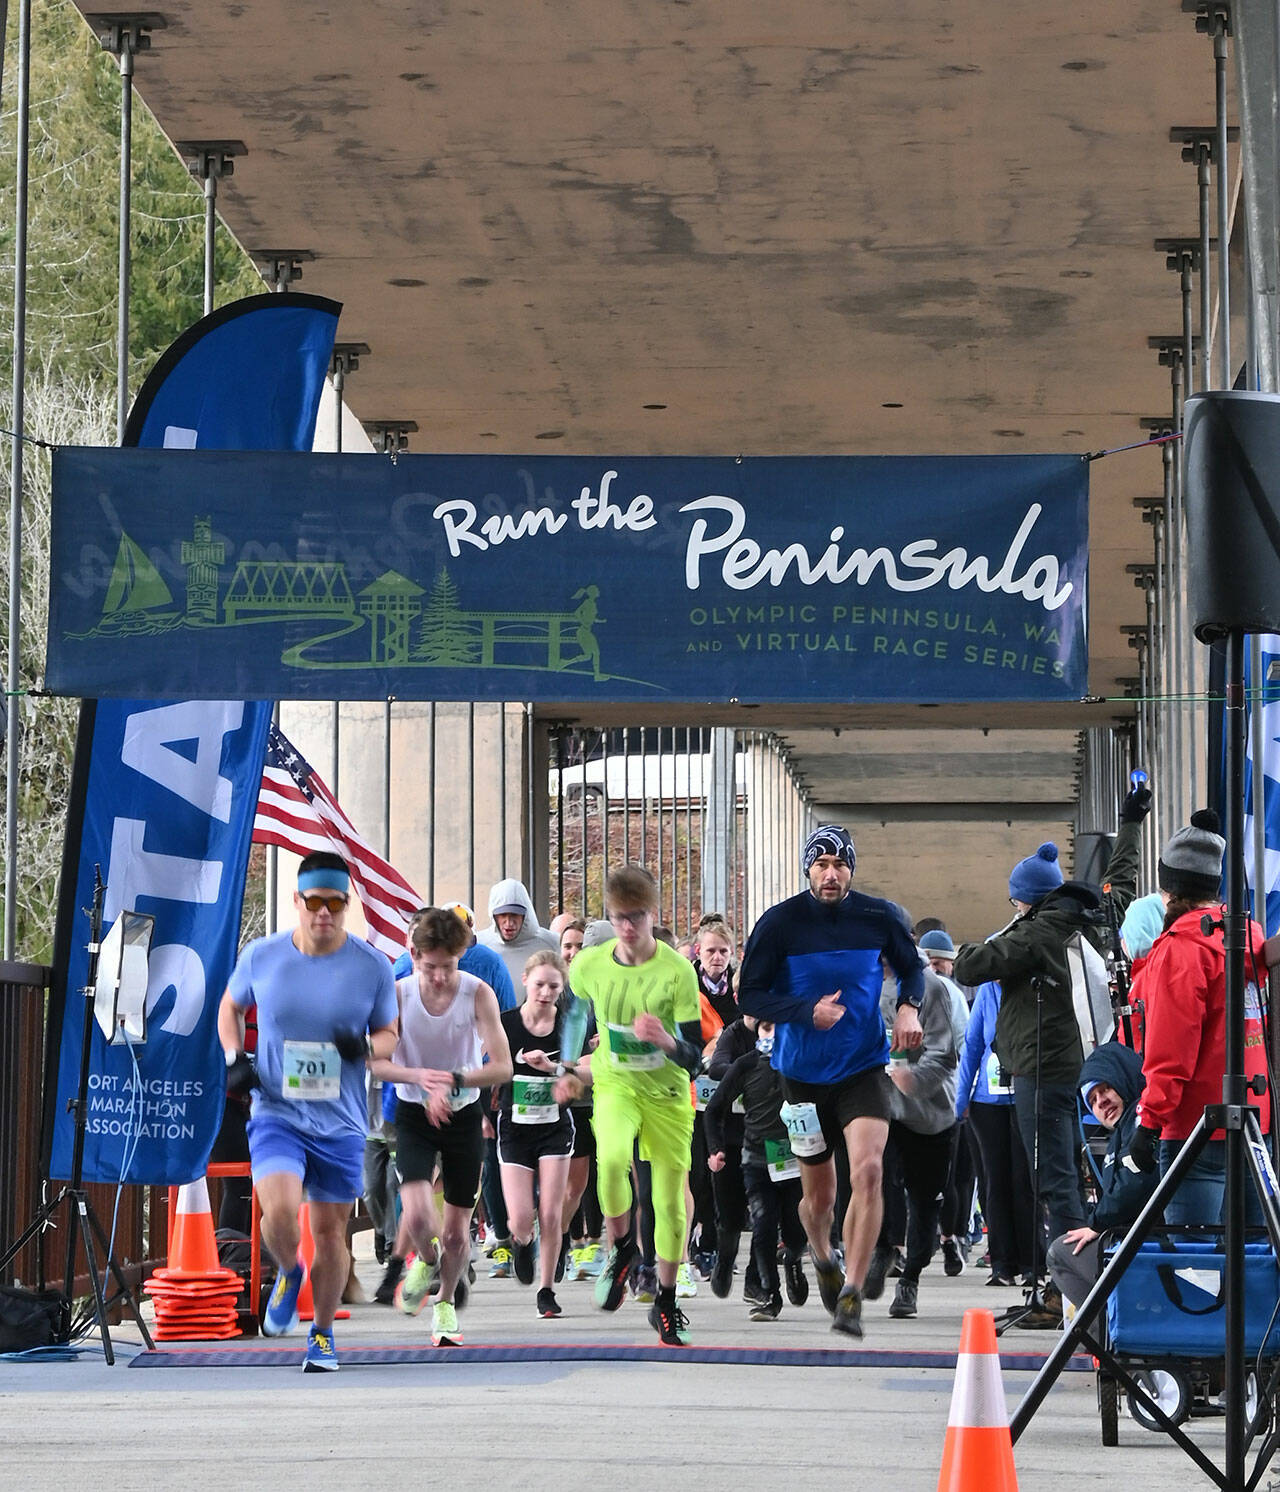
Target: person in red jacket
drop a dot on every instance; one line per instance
(1184, 984)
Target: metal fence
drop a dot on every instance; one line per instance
(650, 795)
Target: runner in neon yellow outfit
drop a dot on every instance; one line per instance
(646, 1005)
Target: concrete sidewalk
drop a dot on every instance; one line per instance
(711, 1427)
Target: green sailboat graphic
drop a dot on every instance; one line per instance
(136, 594)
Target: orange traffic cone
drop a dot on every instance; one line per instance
(978, 1455)
(194, 1250)
(194, 1297)
(307, 1253)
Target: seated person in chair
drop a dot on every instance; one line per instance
(1111, 1084)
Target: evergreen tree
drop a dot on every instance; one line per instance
(445, 638)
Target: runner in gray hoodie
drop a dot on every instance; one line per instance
(923, 1117)
(514, 931)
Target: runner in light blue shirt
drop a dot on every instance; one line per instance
(326, 1005)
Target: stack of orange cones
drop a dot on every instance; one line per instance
(194, 1297)
(307, 1253)
(978, 1455)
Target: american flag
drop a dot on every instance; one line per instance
(298, 812)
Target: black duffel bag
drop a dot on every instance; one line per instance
(32, 1318)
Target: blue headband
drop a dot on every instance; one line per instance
(325, 876)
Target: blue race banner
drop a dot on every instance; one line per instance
(163, 796)
(558, 578)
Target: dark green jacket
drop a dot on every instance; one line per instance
(1035, 944)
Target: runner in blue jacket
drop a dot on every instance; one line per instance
(814, 966)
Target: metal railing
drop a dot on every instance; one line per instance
(697, 812)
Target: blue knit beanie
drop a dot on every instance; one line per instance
(1033, 878)
(1143, 923)
(938, 940)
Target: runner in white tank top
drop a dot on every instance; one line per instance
(448, 1023)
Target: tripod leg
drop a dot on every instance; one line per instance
(1089, 1307)
(42, 1219)
(122, 1285)
(1264, 1180)
(95, 1279)
(1258, 1159)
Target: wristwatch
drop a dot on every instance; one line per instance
(458, 1084)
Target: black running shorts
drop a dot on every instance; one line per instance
(458, 1145)
(865, 1095)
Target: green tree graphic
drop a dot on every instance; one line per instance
(445, 638)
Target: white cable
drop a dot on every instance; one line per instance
(131, 1145)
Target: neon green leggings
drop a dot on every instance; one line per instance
(664, 1127)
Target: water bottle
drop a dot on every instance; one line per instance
(573, 1032)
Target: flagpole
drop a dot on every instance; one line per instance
(271, 921)
(12, 743)
(1258, 782)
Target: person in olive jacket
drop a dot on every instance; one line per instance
(1037, 1038)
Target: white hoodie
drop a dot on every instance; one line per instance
(531, 937)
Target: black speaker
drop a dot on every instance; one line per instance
(1092, 853)
(1232, 496)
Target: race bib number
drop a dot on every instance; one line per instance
(704, 1087)
(533, 1102)
(994, 1085)
(463, 1098)
(312, 1070)
(804, 1127)
(781, 1160)
(627, 1051)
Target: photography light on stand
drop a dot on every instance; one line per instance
(118, 1002)
(120, 988)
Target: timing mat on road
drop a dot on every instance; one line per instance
(251, 1356)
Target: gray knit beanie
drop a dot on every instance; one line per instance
(1191, 863)
(599, 931)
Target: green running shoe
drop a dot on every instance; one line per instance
(414, 1289)
(444, 1325)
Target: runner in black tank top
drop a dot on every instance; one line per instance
(535, 1134)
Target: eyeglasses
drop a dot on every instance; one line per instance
(632, 919)
(335, 904)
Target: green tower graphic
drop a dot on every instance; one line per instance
(390, 603)
(202, 554)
